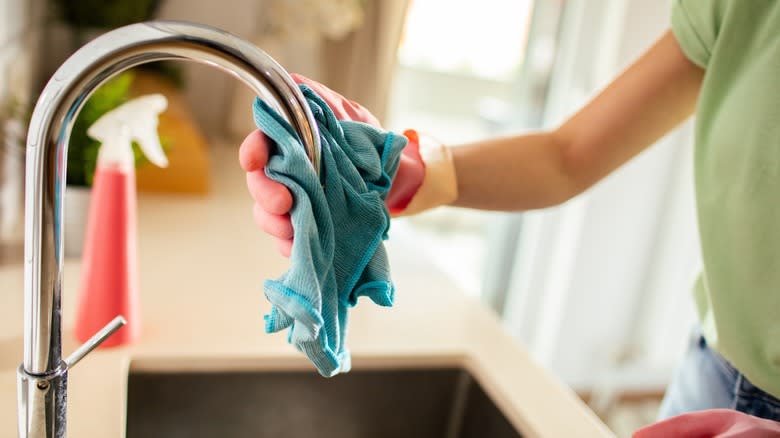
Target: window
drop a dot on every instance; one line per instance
(478, 49)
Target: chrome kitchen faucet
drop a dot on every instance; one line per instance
(42, 376)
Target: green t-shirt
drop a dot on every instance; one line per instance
(737, 177)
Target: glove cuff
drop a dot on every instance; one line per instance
(439, 184)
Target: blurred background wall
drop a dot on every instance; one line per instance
(21, 25)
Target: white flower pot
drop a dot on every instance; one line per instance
(75, 220)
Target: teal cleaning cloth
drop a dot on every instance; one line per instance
(340, 221)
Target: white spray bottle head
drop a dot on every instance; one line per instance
(135, 120)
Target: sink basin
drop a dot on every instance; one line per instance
(377, 403)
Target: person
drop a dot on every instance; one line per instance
(721, 61)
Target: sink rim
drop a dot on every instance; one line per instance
(179, 364)
(160, 363)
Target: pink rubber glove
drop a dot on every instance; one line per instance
(720, 423)
(273, 201)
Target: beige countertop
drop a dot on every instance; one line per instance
(202, 264)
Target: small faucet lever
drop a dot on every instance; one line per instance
(95, 341)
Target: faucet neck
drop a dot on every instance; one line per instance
(43, 374)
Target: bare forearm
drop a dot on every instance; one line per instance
(532, 171)
(512, 173)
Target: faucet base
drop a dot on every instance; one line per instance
(36, 395)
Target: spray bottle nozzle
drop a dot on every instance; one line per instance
(135, 120)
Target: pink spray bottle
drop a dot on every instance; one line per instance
(109, 278)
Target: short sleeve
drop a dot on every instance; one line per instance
(695, 24)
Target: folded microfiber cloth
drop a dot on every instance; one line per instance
(340, 221)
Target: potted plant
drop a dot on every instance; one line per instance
(86, 19)
(90, 17)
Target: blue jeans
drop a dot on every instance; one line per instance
(705, 380)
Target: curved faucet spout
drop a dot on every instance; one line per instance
(43, 373)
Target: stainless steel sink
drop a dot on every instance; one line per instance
(401, 403)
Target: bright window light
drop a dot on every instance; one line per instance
(483, 39)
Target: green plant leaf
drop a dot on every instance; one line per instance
(82, 149)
